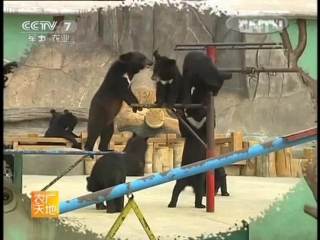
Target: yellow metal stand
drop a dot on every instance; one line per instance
(122, 216)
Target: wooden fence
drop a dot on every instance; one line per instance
(165, 152)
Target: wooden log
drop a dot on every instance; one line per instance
(154, 118)
(177, 153)
(148, 158)
(296, 167)
(266, 165)
(236, 144)
(157, 160)
(250, 168)
(283, 162)
(170, 157)
(309, 153)
(126, 134)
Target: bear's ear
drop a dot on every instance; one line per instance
(156, 54)
(125, 57)
(134, 134)
(52, 111)
(172, 61)
(146, 138)
(66, 111)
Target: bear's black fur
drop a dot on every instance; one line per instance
(7, 68)
(194, 151)
(9, 159)
(200, 72)
(112, 169)
(62, 125)
(70, 128)
(168, 80)
(107, 101)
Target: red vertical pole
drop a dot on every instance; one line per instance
(210, 183)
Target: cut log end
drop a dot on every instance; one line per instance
(154, 118)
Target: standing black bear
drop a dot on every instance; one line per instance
(62, 126)
(194, 151)
(112, 169)
(200, 72)
(169, 80)
(107, 101)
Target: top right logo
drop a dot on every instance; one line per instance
(257, 24)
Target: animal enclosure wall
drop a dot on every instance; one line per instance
(68, 74)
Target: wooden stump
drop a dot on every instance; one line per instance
(148, 157)
(236, 143)
(154, 118)
(266, 165)
(157, 161)
(283, 162)
(177, 153)
(309, 153)
(250, 168)
(296, 167)
(170, 153)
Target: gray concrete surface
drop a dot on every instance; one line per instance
(249, 197)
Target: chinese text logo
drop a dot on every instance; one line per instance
(257, 24)
(44, 204)
(66, 26)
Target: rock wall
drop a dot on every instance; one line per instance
(67, 75)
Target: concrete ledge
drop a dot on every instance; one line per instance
(52, 165)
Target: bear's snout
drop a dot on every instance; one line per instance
(155, 77)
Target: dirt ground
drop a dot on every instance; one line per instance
(249, 197)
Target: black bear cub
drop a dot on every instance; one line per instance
(107, 101)
(62, 125)
(168, 79)
(112, 169)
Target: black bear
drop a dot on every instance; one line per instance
(56, 114)
(62, 125)
(112, 169)
(194, 150)
(168, 79)
(9, 160)
(107, 101)
(7, 68)
(200, 72)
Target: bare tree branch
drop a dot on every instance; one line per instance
(286, 40)
(302, 42)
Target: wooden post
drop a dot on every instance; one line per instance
(250, 168)
(236, 144)
(309, 153)
(283, 162)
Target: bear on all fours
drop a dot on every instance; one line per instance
(168, 79)
(112, 169)
(107, 101)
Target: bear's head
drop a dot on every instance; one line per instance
(135, 62)
(164, 68)
(91, 186)
(67, 120)
(137, 145)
